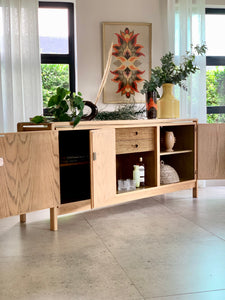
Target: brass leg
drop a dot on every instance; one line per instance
(23, 218)
(53, 219)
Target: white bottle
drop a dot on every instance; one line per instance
(142, 172)
(136, 175)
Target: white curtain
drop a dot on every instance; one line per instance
(186, 26)
(20, 79)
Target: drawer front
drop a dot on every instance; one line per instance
(134, 133)
(132, 146)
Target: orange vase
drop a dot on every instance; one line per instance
(151, 105)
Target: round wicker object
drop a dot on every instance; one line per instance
(168, 174)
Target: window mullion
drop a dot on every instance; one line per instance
(215, 60)
(55, 59)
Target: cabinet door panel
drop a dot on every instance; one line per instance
(211, 151)
(38, 164)
(103, 166)
(9, 177)
(29, 176)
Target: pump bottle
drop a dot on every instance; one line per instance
(142, 172)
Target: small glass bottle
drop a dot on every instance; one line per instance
(142, 172)
(136, 175)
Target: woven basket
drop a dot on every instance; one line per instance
(168, 174)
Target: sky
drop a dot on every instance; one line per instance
(215, 25)
(53, 22)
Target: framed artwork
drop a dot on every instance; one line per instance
(131, 60)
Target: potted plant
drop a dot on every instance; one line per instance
(169, 74)
(64, 106)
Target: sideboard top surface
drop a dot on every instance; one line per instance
(23, 126)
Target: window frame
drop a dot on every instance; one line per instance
(215, 61)
(69, 58)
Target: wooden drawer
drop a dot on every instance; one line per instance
(135, 133)
(130, 146)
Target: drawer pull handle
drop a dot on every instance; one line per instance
(136, 132)
(136, 145)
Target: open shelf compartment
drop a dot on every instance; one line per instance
(74, 165)
(184, 136)
(125, 163)
(182, 156)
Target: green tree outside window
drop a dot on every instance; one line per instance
(215, 93)
(53, 76)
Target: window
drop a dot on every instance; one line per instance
(215, 65)
(56, 33)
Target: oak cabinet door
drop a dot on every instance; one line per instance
(29, 172)
(211, 151)
(9, 176)
(103, 166)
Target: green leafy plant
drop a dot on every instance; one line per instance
(169, 72)
(125, 112)
(151, 85)
(63, 106)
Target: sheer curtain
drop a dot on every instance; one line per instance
(186, 26)
(20, 79)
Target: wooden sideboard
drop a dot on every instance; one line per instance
(68, 169)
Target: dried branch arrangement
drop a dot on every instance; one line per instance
(106, 73)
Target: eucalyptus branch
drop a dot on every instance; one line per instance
(169, 72)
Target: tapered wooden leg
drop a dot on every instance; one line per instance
(53, 219)
(23, 218)
(195, 191)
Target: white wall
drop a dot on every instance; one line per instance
(90, 15)
(215, 3)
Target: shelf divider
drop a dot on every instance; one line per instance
(174, 152)
(74, 163)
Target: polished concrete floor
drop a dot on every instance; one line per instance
(167, 247)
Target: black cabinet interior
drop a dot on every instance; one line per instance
(74, 165)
